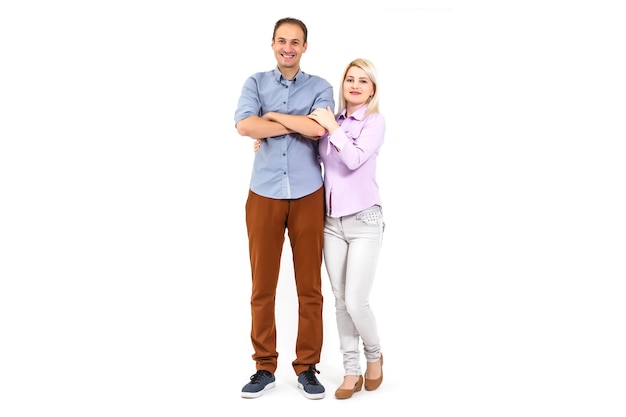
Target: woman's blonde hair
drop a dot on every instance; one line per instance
(370, 70)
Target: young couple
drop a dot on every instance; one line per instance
(337, 215)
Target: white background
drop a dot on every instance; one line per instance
(124, 269)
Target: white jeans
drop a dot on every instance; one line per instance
(351, 247)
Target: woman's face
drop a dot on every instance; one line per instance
(357, 87)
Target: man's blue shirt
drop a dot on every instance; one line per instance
(285, 166)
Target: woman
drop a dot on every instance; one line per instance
(354, 226)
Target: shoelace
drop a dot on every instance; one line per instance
(256, 378)
(310, 376)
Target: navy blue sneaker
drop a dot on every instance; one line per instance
(310, 386)
(259, 383)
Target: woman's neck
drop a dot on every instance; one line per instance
(352, 108)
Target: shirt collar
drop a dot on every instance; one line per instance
(278, 76)
(358, 114)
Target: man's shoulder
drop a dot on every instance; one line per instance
(261, 74)
(315, 78)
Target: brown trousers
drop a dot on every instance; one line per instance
(267, 219)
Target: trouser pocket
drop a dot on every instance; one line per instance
(372, 215)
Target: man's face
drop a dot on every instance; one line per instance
(288, 45)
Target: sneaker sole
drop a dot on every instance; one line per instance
(309, 395)
(259, 393)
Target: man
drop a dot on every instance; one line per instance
(286, 193)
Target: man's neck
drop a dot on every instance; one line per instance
(288, 73)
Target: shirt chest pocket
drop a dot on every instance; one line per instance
(354, 132)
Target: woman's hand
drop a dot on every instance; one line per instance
(325, 118)
(257, 144)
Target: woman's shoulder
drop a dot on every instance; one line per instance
(376, 117)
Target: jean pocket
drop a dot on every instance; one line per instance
(372, 215)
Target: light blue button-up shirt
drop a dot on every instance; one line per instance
(285, 166)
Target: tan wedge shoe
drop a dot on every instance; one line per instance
(372, 384)
(343, 393)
